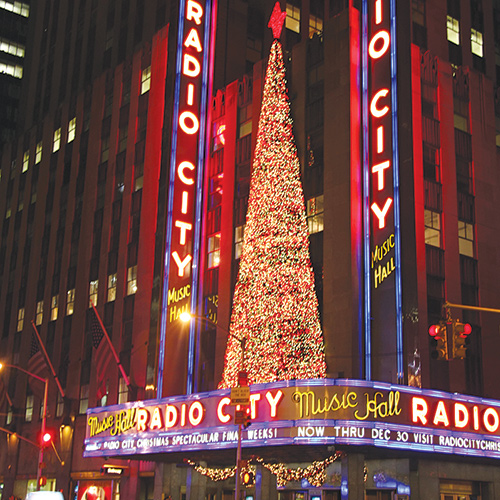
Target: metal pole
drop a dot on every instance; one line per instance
(44, 419)
(472, 308)
(238, 471)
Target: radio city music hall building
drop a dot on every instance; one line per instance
(128, 185)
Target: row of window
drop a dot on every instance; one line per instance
(432, 223)
(83, 406)
(20, 8)
(292, 21)
(70, 298)
(453, 35)
(11, 69)
(12, 48)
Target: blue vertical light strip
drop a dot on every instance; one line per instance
(397, 215)
(192, 382)
(170, 203)
(366, 189)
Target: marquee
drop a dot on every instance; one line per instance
(305, 412)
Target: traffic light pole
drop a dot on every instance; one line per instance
(472, 308)
(44, 420)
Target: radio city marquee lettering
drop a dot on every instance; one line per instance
(342, 412)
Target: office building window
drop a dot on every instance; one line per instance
(93, 289)
(28, 416)
(292, 21)
(476, 42)
(238, 241)
(112, 282)
(122, 391)
(70, 302)
(72, 130)
(315, 25)
(213, 250)
(38, 153)
(39, 313)
(432, 223)
(466, 238)
(26, 161)
(453, 30)
(146, 80)
(20, 319)
(57, 140)
(20, 8)
(84, 399)
(104, 149)
(12, 48)
(315, 211)
(131, 280)
(11, 69)
(54, 307)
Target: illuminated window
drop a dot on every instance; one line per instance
(9, 47)
(93, 288)
(453, 30)
(131, 280)
(213, 250)
(20, 8)
(432, 223)
(122, 391)
(10, 415)
(315, 25)
(476, 42)
(38, 153)
(245, 121)
(59, 405)
(315, 211)
(57, 140)
(70, 302)
(146, 80)
(20, 319)
(39, 313)
(219, 135)
(112, 282)
(292, 21)
(238, 241)
(465, 238)
(54, 307)
(13, 70)
(26, 161)
(28, 416)
(72, 130)
(84, 399)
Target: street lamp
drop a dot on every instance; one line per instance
(44, 416)
(186, 317)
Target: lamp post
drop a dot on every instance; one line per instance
(44, 416)
(186, 317)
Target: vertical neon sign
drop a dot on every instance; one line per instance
(180, 280)
(382, 238)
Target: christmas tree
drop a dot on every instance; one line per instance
(275, 308)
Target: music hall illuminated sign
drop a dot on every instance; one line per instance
(383, 318)
(186, 174)
(306, 412)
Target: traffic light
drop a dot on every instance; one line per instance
(42, 481)
(247, 422)
(461, 332)
(47, 438)
(440, 343)
(247, 478)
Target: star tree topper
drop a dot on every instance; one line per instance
(276, 21)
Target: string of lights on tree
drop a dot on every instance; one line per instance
(275, 308)
(315, 473)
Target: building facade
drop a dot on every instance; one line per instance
(394, 106)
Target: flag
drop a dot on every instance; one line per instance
(36, 365)
(103, 353)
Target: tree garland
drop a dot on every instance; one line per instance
(315, 473)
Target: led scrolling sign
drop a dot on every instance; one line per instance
(342, 412)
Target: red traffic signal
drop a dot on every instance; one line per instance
(47, 438)
(42, 481)
(435, 330)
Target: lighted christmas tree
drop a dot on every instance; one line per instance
(275, 307)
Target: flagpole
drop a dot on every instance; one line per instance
(48, 359)
(115, 355)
